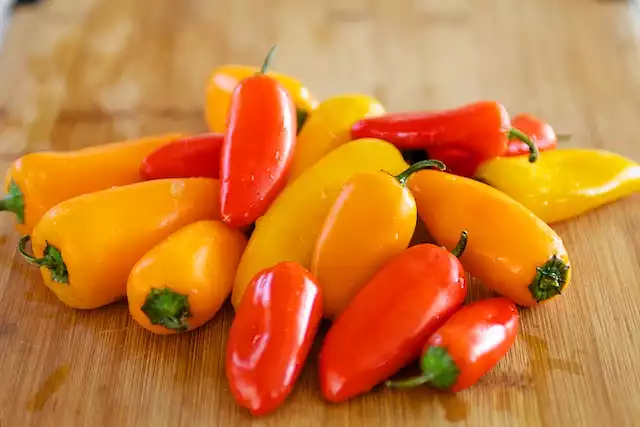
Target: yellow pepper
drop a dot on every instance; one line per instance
(329, 127)
(563, 183)
(290, 228)
(371, 222)
(224, 80)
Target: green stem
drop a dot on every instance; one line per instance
(533, 148)
(267, 60)
(563, 137)
(462, 244)
(302, 116)
(409, 382)
(438, 370)
(550, 279)
(52, 260)
(13, 201)
(424, 164)
(167, 308)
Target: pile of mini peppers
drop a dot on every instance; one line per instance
(302, 210)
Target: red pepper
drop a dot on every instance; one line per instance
(467, 346)
(271, 335)
(257, 149)
(482, 128)
(459, 162)
(541, 134)
(190, 157)
(386, 324)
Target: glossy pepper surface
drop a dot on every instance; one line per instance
(482, 128)
(182, 282)
(465, 163)
(86, 246)
(564, 183)
(258, 148)
(223, 81)
(540, 133)
(389, 320)
(271, 335)
(329, 127)
(189, 157)
(467, 346)
(38, 181)
(289, 229)
(371, 221)
(512, 251)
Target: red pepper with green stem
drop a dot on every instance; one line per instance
(258, 147)
(386, 324)
(465, 163)
(271, 336)
(482, 128)
(466, 346)
(190, 157)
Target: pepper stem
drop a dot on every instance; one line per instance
(550, 279)
(267, 60)
(301, 116)
(409, 382)
(52, 260)
(462, 244)
(438, 370)
(13, 201)
(424, 164)
(167, 308)
(519, 135)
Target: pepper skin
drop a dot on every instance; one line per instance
(290, 228)
(182, 282)
(467, 346)
(482, 128)
(389, 320)
(564, 183)
(258, 148)
(329, 127)
(271, 336)
(466, 163)
(86, 246)
(539, 132)
(190, 157)
(512, 252)
(223, 82)
(38, 181)
(371, 221)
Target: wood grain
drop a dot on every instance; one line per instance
(74, 74)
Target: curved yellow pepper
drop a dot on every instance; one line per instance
(329, 127)
(224, 80)
(563, 183)
(291, 226)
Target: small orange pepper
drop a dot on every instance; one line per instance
(38, 181)
(371, 221)
(86, 246)
(512, 252)
(183, 281)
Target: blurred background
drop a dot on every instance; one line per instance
(77, 73)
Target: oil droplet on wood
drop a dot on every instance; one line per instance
(455, 409)
(50, 386)
(541, 362)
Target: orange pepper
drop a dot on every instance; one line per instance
(183, 281)
(86, 246)
(371, 221)
(38, 181)
(511, 251)
(223, 82)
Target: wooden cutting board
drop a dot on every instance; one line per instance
(76, 73)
